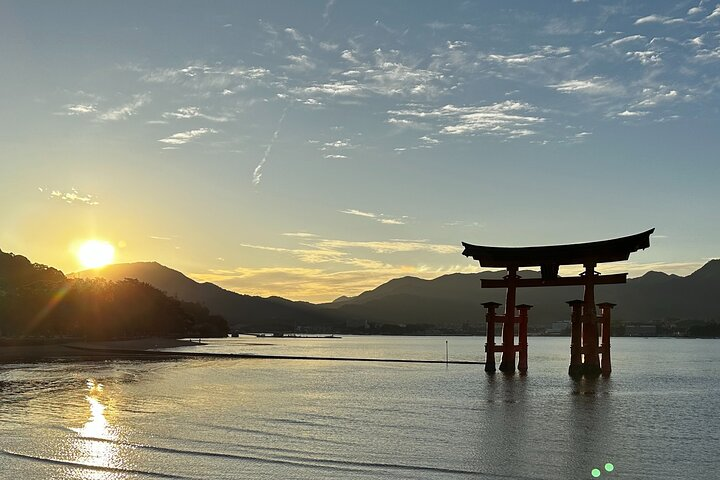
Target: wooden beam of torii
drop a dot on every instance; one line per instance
(584, 356)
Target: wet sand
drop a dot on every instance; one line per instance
(20, 351)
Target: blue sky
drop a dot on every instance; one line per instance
(318, 149)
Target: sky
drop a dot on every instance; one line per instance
(320, 148)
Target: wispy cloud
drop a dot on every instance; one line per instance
(300, 234)
(397, 246)
(628, 39)
(335, 267)
(714, 14)
(510, 119)
(379, 217)
(73, 196)
(80, 109)
(125, 110)
(157, 237)
(590, 86)
(182, 138)
(380, 73)
(257, 174)
(538, 53)
(318, 284)
(658, 19)
(204, 78)
(194, 112)
(300, 63)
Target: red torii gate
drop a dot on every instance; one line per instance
(584, 348)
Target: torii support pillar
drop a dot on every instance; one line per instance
(591, 358)
(576, 366)
(507, 364)
(522, 338)
(605, 309)
(490, 343)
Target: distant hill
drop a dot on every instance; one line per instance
(242, 312)
(16, 270)
(40, 301)
(456, 299)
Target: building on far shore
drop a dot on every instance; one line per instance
(558, 328)
(641, 330)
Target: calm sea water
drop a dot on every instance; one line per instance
(657, 417)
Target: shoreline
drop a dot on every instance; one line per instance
(23, 352)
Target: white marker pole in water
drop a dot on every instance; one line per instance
(446, 352)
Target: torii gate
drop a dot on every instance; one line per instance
(584, 349)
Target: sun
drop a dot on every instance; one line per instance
(95, 253)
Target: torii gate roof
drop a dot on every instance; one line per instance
(613, 250)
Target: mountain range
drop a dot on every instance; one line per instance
(448, 303)
(242, 312)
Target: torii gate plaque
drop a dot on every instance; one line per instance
(584, 349)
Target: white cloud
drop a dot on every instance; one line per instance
(337, 144)
(381, 73)
(397, 246)
(628, 113)
(628, 39)
(80, 109)
(187, 136)
(334, 88)
(193, 112)
(300, 234)
(646, 57)
(257, 173)
(536, 54)
(652, 97)
(73, 196)
(297, 37)
(300, 63)
(359, 213)
(328, 47)
(698, 41)
(591, 86)
(510, 119)
(715, 13)
(429, 140)
(311, 102)
(658, 19)
(210, 78)
(404, 122)
(378, 217)
(126, 110)
(326, 12)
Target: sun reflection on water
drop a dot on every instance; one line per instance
(96, 443)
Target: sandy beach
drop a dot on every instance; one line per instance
(13, 351)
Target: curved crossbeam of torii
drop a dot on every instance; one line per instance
(584, 350)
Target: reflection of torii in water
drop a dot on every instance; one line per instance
(584, 349)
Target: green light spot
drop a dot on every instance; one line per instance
(595, 472)
(609, 467)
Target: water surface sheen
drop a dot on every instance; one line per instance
(254, 418)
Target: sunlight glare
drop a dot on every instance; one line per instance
(95, 254)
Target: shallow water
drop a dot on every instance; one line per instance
(656, 417)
